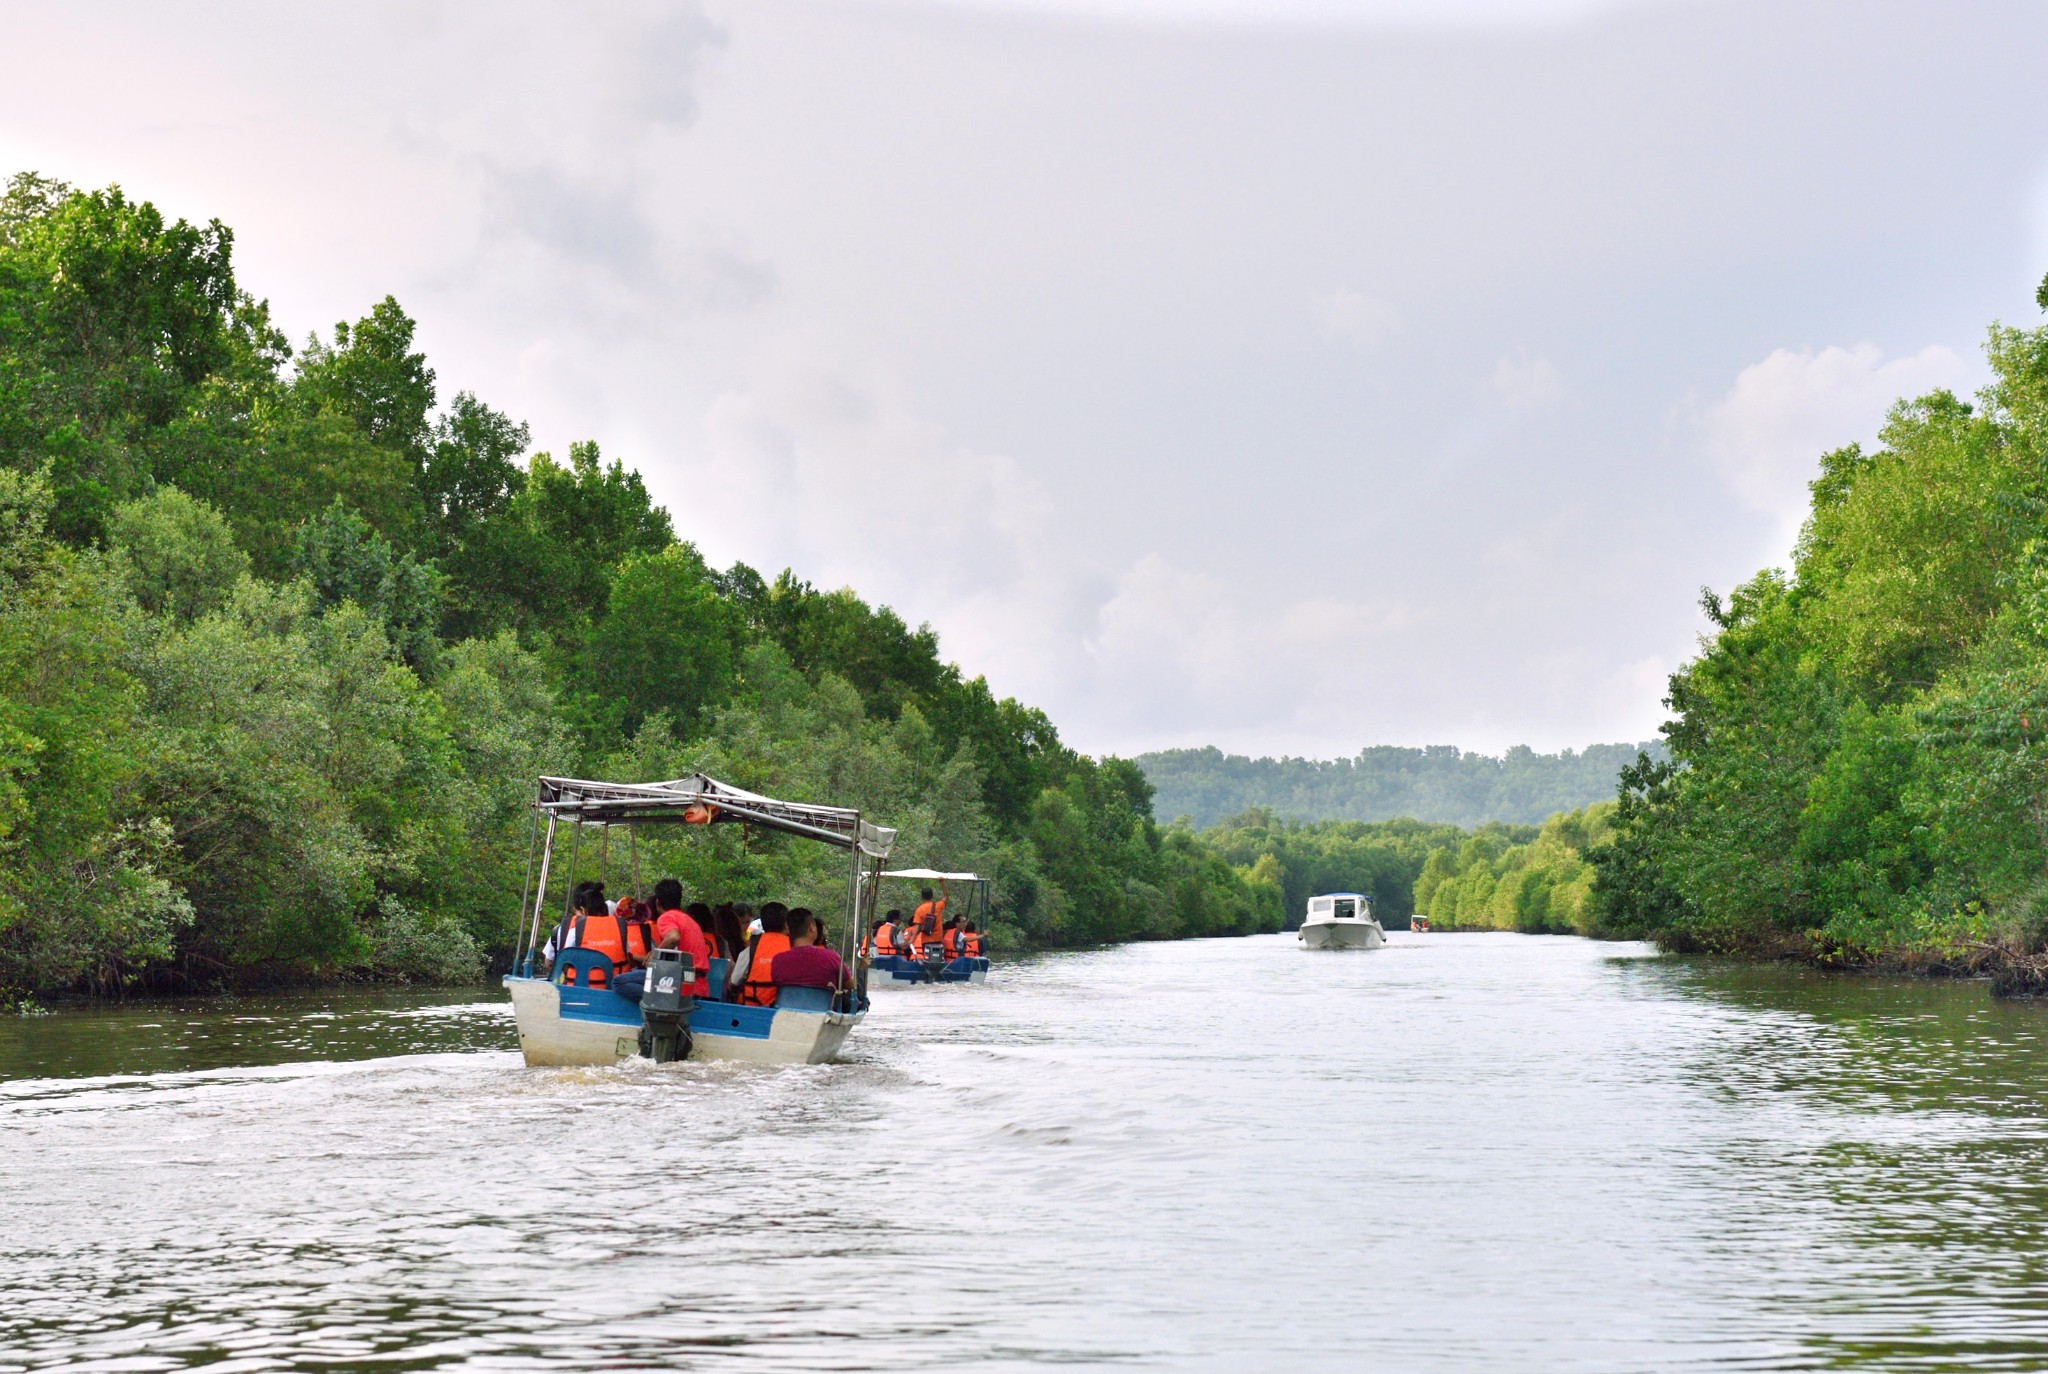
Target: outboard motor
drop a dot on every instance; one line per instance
(666, 1006)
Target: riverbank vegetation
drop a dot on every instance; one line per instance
(1858, 766)
(1441, 782)
(286, 636)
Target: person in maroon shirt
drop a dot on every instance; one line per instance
(806, 963)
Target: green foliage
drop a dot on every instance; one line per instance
(1440, 783)
(283, 649)
(1858, 764)
(344, 560)
(82, 888)
(110, 320)
(1383, 859)
(667, 643)
(179, 556)
(1495, 881)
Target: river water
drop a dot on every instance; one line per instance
(1463, 1152)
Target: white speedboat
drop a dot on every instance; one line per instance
(1341, 920)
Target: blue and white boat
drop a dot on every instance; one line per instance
(565, 1020)
(901, 970)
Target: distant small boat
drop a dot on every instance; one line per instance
(1418, 922)
(1341, 920)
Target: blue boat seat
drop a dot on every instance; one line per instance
(583, 968)
(803, 999)
(714, 980)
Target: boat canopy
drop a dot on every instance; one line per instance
(931, 874)
(700, 799)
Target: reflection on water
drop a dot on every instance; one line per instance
(1458, 1153)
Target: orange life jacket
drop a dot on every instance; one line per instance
(623, 939)
(953, 943)
(759, 989)
(885, 938)
(925, 923)
(970, 944)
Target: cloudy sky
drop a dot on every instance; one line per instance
(1285, 376)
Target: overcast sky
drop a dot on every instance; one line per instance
(1284, 376)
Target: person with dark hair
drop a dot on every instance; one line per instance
(622, 938)
(886, 933)
(700, 912)
(677, 929)
(558, 938)
(809, 962)
(732, 928)
(970, 941)
(754, 973)
(925, 922)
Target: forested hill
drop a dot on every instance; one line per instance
(1438, 783)
(286, 635)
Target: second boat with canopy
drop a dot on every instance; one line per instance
(934, 963)
(568, 1015)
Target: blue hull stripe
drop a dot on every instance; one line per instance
(710, 1018)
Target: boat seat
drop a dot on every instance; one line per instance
(803, 999)
(583, 968)
(714, 979)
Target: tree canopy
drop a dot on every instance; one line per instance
(1858, 766)
(285, 641)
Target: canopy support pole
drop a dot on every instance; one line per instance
(633, 849)
(569, 893)
(856, 929)
(540, 899)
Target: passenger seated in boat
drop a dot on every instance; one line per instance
(885, 933)
(730, 928)
(677, 928)
(623, 936)
(950, 937)
(970, 941)
(700, 912)
(558, 938)
(808, 962)
(753, 977)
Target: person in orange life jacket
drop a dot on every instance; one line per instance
(809, 962)
(925, 921)
(885, 933)
(970, 941)
(676, 928)
(623, 936)
(951, 937)
(753, 976)
(559, 939)
(626, 933)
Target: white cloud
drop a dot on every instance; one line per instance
(1767, 434)
(1174, 650)
(1396, 14)
(1527, 383)
(1357, 317)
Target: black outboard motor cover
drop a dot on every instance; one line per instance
(666, 1005)
(671, 984)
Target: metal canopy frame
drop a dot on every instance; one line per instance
(702, 800)
(977, 897)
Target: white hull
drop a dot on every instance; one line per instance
(549, 1039)
(1342, 935)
